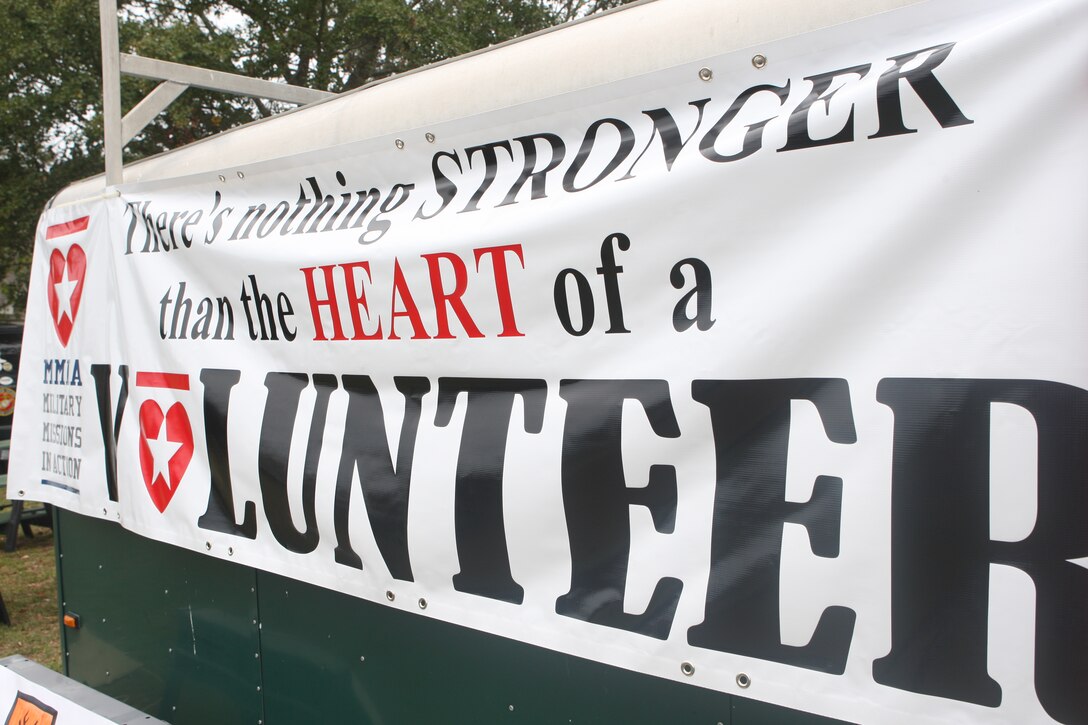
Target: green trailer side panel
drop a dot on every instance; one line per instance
(754, 712)
(165, 630)
(418, 670)
(330, 656)
(321, 655)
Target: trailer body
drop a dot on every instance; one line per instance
(700, 362)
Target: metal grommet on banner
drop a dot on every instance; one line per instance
(230, 551)
(208, 545)
(743, 681)
(241, 175)
(705, 74)
(422, 603)
(223, 178)
(399, 143)
(390, 596)
(759, 61)
(429, 136)
(687, 668)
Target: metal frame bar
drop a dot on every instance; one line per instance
(213, 80)
(152, 105)
(176, 78)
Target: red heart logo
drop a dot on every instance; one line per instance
(166, 447)
(66, 289)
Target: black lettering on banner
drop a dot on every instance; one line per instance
(397, 197)
(597, 502)
(702, 292)
(158, 228)
(276, 216)
(366, 200)
(300, 203)
(323, 204)
(610, 271)
(478, 516)
(753, 136)
(751, 427)
(385, 488)
(529, 170)
(253, 215)
(273, 455)
(491, 166)
(665, 127)
(942, 550)
(889, 104)
(139, 218)
(264, 314)
(109, 423)
(219, 516)
(443, 185)
(623, 150)
(562, 303)
(345, 202)
(798, 136)
(191, 221)
(217, 218)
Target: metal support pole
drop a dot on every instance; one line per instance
(111, 90)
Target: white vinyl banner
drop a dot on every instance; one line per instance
(767, 377)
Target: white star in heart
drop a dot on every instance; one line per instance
(63, 290)
(162, 450)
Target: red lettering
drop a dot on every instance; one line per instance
(330, 301)
(453, 298)
(401, 289)
(357, 299)
(449, 278)
(502, 284)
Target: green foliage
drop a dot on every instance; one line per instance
(50, 71)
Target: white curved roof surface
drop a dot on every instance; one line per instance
(629, 41)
